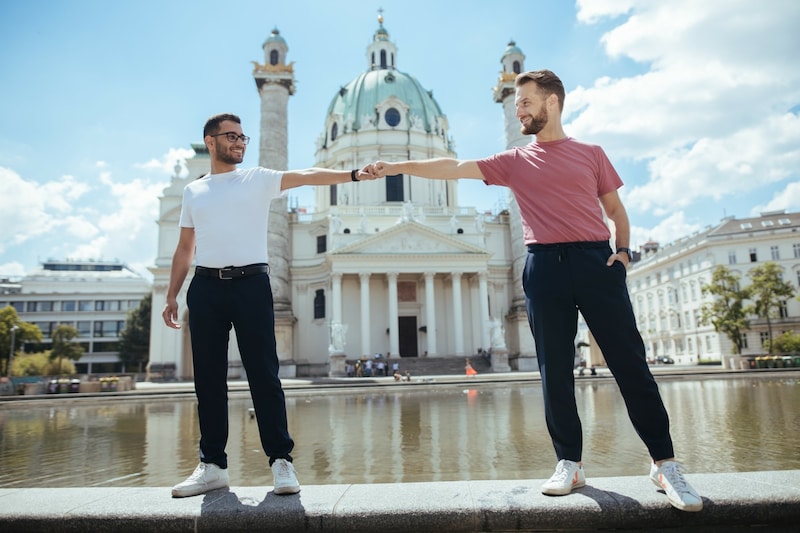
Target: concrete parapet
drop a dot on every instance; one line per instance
(768, 500)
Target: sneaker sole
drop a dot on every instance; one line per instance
(563, 492)
(286, 490)
(186, 493)
(679, 505)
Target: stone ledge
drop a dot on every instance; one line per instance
(769, 500)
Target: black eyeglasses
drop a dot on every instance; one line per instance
(232, 137)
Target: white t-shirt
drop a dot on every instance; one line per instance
(229, 213)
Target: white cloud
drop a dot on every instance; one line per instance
(29, 209)
(668, 230)
(788, 200)
(12, 270)
(167, 163)
(710, 117)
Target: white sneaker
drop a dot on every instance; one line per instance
(206, 477)
(285, 477)
(679, 493)
(568, 475)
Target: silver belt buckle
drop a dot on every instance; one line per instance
(221, 270)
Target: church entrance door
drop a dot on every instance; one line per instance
(407, 328)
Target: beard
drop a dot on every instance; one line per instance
(230, 158)
(537, 123)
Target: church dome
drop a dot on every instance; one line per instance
(383, 98)
(358, 101)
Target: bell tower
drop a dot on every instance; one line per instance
(275, 82)
(519, 337)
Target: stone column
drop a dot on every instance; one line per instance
(365, 314)
(336, 290)
(458, 314)
(394, 321)
(483, 295)
(430, 313)
(275, 85)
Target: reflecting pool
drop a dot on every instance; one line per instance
(405, 433)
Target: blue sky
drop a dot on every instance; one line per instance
(696, 103)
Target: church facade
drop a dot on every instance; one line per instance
(394, 266)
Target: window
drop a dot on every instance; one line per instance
(84, 328)
(732, 257)
(319, 304)
(763, 336)
(105, 347)
(68, 305)
(744, 340)
(796, 250)
(753, 255)
(334, 198)
(39, 307)
(392, 117)
(108, 328)
(775, 253)
(273, 57)
(517, 67)
(322, 244)
(394, 188)
(334, 131)
(84, 305)
(107, 305)
(383, 58)
(783, 312)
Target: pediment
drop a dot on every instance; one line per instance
(410, 238)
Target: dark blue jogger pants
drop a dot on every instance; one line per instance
(559, 281)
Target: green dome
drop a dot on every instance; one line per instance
(512, 49)
(275, 37)
(359, 98)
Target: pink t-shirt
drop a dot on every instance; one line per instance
(557, 185)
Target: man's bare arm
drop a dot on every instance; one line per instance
(181, 263)
(441, 168)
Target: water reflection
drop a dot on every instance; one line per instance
(405, 434)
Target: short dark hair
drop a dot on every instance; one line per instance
(212, 124)
(546, 81)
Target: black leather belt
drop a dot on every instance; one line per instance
(232, 272)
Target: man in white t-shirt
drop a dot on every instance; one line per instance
(223, 225)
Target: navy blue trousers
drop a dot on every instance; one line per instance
(245, 304)
(559, 281)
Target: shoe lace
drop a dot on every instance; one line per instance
(198, 472)
(674, 474)
(284, 469)
(562, 472)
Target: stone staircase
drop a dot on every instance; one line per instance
(435, 366)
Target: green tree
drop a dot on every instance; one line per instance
(727, 312)
(789, 342)
(63, 345)
(134, 340)
(26, 332)
(767, 292)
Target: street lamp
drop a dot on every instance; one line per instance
(14, 329)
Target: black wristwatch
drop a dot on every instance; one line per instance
(626, 250)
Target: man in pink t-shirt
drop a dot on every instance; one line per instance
(563, 188)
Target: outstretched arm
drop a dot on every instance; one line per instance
(442, 168)
(323, 176)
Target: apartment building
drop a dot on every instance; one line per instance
(666, 285)
(92, 296)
